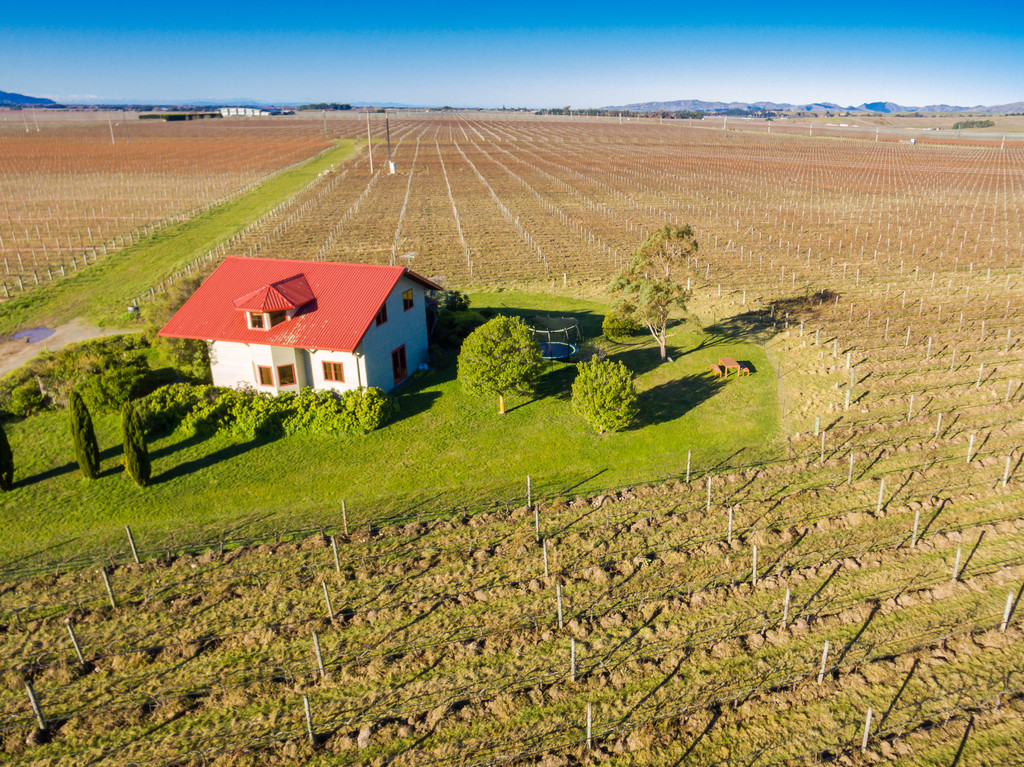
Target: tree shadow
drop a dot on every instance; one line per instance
(195, 464)
(675, 398)
(767, 321)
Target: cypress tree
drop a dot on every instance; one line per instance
(6, 462)
(136, 455)
(87, 450)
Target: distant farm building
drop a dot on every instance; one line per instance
(243, 112)
(278, 325)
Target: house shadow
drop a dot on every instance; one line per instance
(675, 398)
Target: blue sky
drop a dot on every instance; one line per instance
(523, 54)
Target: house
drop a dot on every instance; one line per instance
(278, 325)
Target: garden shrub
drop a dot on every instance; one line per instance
(605, 395)
(26, 399)
(453, 327)
(452, 300)
(617, 325)
(200, 410)
(115, 384)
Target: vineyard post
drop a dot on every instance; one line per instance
(709, 493)
(928, 351)
(131, 542)
(853, 376)
(344, 517)
(867, 732)
(309, 720)
(327, 600)
(956, 564)
(835, 348)
(1006, 472)
(785, 608)
(970, 448)
(558, 598)
(728, 535)
(572, 659)
(689, 454)
(74, 641)
(849, 359)
(334, 549)
(590, 725)
(981, 371)
(846, 406)
(1007, 349)
(910, 410)
(913, 534)
(34, 702)
(849, 476)
(938, 425)
(1009, 386)
(824, 660)
(881, 493)
(110, 591)
(906, 343)
(1007, 612)
(319, 657)
(546, 573)
(529, 493)
(753, 571)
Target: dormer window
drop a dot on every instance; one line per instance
(276, 318)
(256, 320)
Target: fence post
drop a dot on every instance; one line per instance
(344, 517)
(327, 599)
(956, 564)
(110, 591)
(867, 732)
(558, 596)
(785, 608)
(74, 641)
(913, 534)
(824, 660)
(1007, 612)
(35, 705)
(334, 548)
(309, 720)
(319, 657)
(572, 659)
(753, 572)
(881, 492)
(545, 544)
(689, 453)
(131, 542)
(590, 725)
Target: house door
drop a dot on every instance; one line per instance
(398, 365)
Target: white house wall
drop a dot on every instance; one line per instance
(234, 365)
(353, 375)
(403, 327)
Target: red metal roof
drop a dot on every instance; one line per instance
(345, 299)
(284, 294)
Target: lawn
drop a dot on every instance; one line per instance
(447, 449)
(103, 291)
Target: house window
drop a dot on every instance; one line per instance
(382, 315)
(285, 375)
(398, 365)
(265, 375)
(255, 319)
(276, 318)
(407, 300)
(334, 371)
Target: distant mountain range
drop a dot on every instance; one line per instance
(882, 107)
(17, 99)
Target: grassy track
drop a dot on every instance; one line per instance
(447, 449)
(103, 290)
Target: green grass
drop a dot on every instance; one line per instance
(102, 291)
(447, 449)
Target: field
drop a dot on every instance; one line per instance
(847, 593)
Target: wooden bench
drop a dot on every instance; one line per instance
(716, 371)
(743, 370)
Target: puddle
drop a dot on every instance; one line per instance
(32, 335)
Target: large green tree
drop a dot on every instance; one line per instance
(605, 395)
(83, 437)
(136, 454)
(6, 462)
(500, 357)
(650, 286)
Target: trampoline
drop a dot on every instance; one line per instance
(557, 350)
(558, 337)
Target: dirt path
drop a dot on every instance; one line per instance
(15, 353)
